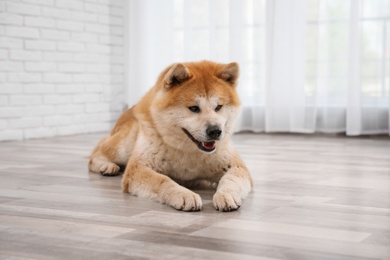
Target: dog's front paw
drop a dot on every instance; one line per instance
(185, 200)
(109, 169)
(226, 201)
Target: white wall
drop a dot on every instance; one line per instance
(62, 65)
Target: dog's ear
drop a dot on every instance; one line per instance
(178, 73)
(230, 73)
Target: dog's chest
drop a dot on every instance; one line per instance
(179, 165)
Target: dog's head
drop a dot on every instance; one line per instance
(196, 104)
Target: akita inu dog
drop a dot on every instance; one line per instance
(179, 133)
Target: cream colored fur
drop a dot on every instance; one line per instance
(150, 139)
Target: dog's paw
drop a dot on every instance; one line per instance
(185, 200)
(109, 169)
(226, 201)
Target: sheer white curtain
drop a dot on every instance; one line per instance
(306, 65)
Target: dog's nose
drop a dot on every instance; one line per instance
(214, 132)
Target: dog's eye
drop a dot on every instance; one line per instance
(218, 108)
(194, 109)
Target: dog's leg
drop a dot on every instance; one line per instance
(99, 161)
(232, 188)
(115, 149)
(100, 164)
(144, 182)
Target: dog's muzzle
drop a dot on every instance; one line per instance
(207, 147)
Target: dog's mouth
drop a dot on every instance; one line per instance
(207, 147)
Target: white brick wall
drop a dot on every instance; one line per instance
(61, 66)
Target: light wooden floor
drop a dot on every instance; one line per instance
(315, 197)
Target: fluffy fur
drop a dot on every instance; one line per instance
(179, 133)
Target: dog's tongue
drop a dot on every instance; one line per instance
(209, 145)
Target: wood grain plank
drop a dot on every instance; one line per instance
(314, 197)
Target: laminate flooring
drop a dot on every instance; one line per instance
(314, 197)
